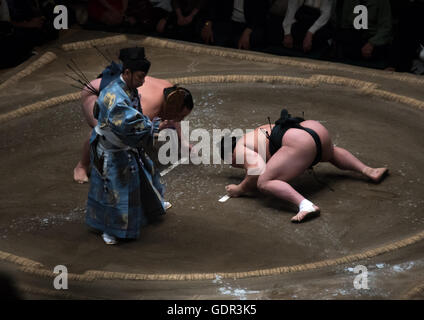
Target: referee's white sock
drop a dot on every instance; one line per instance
(108, 239)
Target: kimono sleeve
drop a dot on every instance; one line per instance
(131, 126)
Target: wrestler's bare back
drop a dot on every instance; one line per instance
(151, 98)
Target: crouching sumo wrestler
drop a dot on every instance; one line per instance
(290, 147)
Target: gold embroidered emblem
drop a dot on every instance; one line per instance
(140, 126)
(109, 100)
(118, 119)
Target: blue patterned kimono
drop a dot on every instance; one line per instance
(125, 192)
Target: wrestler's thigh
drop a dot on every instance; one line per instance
(286, 164)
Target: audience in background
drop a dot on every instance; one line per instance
(394, 38)
(408, 18)
(236, 23)
(306, 24)
(15, 48)
(363, 44)
(108, 12)
(276, 14)
(162, 10)
(33, 20)
(188, 15)
(278, 7)
(140, 13)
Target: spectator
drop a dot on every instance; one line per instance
(369, 44)
(278, 7)
(306, 24)
(74, 8)
(142, 14)
(277, 12)
(408, 34)
(149, 15)
(162, 10)
(236, 23)
(15, 48)
(4, 11)
(108, 12)
(33, 20)
(188, 18)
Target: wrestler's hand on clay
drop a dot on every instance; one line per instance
(234, 190)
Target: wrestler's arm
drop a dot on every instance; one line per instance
(253, 163)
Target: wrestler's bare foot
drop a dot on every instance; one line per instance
(302, 216)
(375, 174)
(80, 173)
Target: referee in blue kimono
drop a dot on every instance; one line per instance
(125, 192)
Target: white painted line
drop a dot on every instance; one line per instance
(176, 164)
(224, 198)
